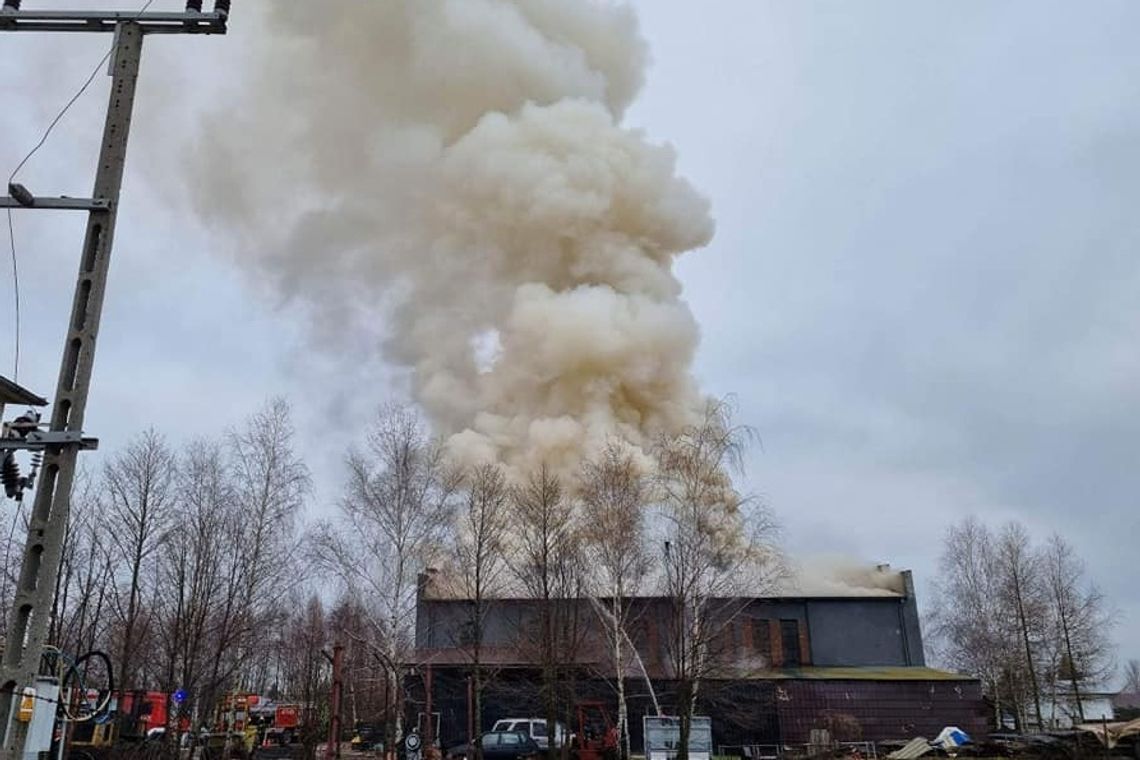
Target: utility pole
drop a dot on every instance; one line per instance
(61, 443)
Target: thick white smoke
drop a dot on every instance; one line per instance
(837, 575)
(456, 171)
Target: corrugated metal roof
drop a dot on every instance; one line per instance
(1116, 731)
(916, 747)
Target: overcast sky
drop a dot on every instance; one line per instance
(923, 288)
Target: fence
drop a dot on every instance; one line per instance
(865, 750)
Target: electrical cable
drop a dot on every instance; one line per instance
(105, 703)
(43, 139)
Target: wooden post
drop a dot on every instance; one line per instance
(429, 730)
(470, 710)
(332, 749)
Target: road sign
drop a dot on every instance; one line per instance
(412, 746)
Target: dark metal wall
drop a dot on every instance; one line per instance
(861, 632)
(743, 712)
(878, 710)
(841, 631)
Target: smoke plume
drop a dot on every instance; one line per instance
(836, 575)
(453, 177)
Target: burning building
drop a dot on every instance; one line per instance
(787, 664)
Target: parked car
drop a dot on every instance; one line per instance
(499, 745)
(535, 728)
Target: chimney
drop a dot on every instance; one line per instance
(426, 582)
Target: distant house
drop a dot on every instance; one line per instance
(1063, 713)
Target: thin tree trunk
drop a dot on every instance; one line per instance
(1028, 649)
(1072, 663)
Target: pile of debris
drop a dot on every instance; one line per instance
(1091, 740)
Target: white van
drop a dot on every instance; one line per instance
(535, 728)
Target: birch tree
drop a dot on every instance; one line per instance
(1024, 618)
(1024, 594)
(394, 514)
(614, 493)
(718, 546)
(1082, 623)
(479, 547)
(548, 565)
(967, 610)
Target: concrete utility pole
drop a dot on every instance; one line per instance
(35, 590)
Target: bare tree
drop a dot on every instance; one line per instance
(548, 564)
(479, 548)
(1025, 596)
(967, 609)
(718, 547)
(177, 565)
(15, 530)
(193, 568)
(1025, 619)
(397, 505)
(1083, 625)
(271, 483)
(614, 492)
(366, 701)
(305, 674)
(1132, 676)
(85, 584)
(139, 486)
(269, 486)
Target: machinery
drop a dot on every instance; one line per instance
(128, 718)
(597, 737)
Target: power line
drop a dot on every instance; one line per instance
(43, 139)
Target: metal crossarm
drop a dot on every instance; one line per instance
(190, 22)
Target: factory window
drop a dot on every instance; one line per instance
(762, 639)
(726, 644)
(467, 633)
(790, 641)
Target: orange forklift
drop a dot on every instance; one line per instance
(597, 737)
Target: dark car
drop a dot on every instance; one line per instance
(498, 745)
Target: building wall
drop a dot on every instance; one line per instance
(860, 632)
(840, 631)
(766, 691)
(912, 628)
(878, 710)
(744, 712)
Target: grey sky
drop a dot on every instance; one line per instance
(921, 289)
